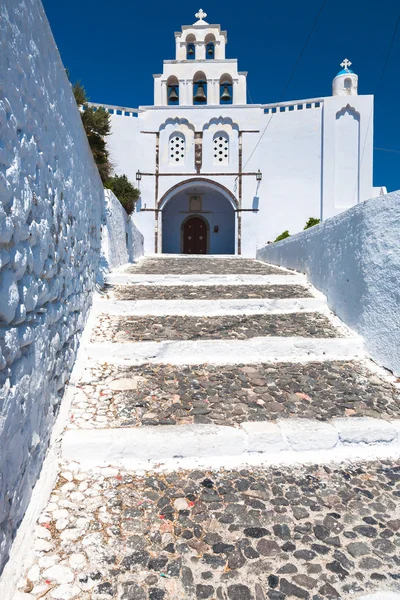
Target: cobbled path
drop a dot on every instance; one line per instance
(311, 532)
(132, 329)
(204, 265)
(200, 292)
(227, 395)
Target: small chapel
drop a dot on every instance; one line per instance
(219, 175)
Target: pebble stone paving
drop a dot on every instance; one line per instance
(211, 292)
(301, 532)
(113, 396)
(314, 532)
(235, 327)
(204, 265)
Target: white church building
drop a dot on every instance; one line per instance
(220, 176)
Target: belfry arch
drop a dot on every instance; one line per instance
(207, 200)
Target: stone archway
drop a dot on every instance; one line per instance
(207, 200)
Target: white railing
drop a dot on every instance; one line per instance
(279, 107)
(117, 110)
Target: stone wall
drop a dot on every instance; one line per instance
(121, 241)
(354, 259)
(51, 202)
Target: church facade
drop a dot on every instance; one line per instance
(220, 176)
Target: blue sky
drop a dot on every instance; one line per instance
(115, 47)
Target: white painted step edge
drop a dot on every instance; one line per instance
(287, 440)
(207, 308)
(118, 278)
(229, 352)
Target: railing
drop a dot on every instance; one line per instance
(279, 107)
(117, 110)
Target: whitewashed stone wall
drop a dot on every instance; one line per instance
(51, 202)
(354, 259)
(121, 241)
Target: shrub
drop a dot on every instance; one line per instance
(96, 123)
(283, 236)
(126, 193)
(311, 222)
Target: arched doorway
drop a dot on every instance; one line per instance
(194, 235)
(203, 199)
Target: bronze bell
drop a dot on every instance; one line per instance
(210, 50)
(173, 96)
(190, 50)
(225, 96)
(200, 95)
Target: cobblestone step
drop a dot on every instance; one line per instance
(149, 395)
(169, 492)
(313, 532)
(242, 326)
(212, 265)
(206, 292)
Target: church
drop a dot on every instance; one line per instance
(220, 176)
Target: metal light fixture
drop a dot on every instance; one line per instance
(138, 176)
(258, 175)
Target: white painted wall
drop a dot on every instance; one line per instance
(121, 241)
(354, 259)
(51, 202)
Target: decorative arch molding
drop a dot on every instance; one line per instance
(349, 110)
(197, 180)
(217, 122)
(176, 121)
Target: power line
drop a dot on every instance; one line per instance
(376, 91)
(389, 53)
(290, 78)
(388, 150)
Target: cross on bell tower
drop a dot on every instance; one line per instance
(345, 64)
(201, 15)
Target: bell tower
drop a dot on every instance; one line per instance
(201, 74)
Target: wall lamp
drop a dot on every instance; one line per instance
(138, 176)
(258, 175)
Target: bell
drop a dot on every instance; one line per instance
(210, 50)
(225, 96)
(200, 95)
(173, 96)
(190, 50)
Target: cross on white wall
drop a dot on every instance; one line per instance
(200, 15)
(346, 64)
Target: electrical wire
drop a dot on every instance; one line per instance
(376, 91)
(388, 150)
(290, 79)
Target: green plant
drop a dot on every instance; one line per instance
(126, 193)
(311, 222)
(283, 236)
(96, 123)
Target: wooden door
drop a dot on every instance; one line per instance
(195, 236)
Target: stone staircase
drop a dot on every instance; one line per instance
(228, 439)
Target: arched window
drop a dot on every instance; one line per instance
(172, 91)
(225, 89)
(210, 46)
(177, 148)
(221, 148)
(348, 84)
(199, 88)
(190, 47)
